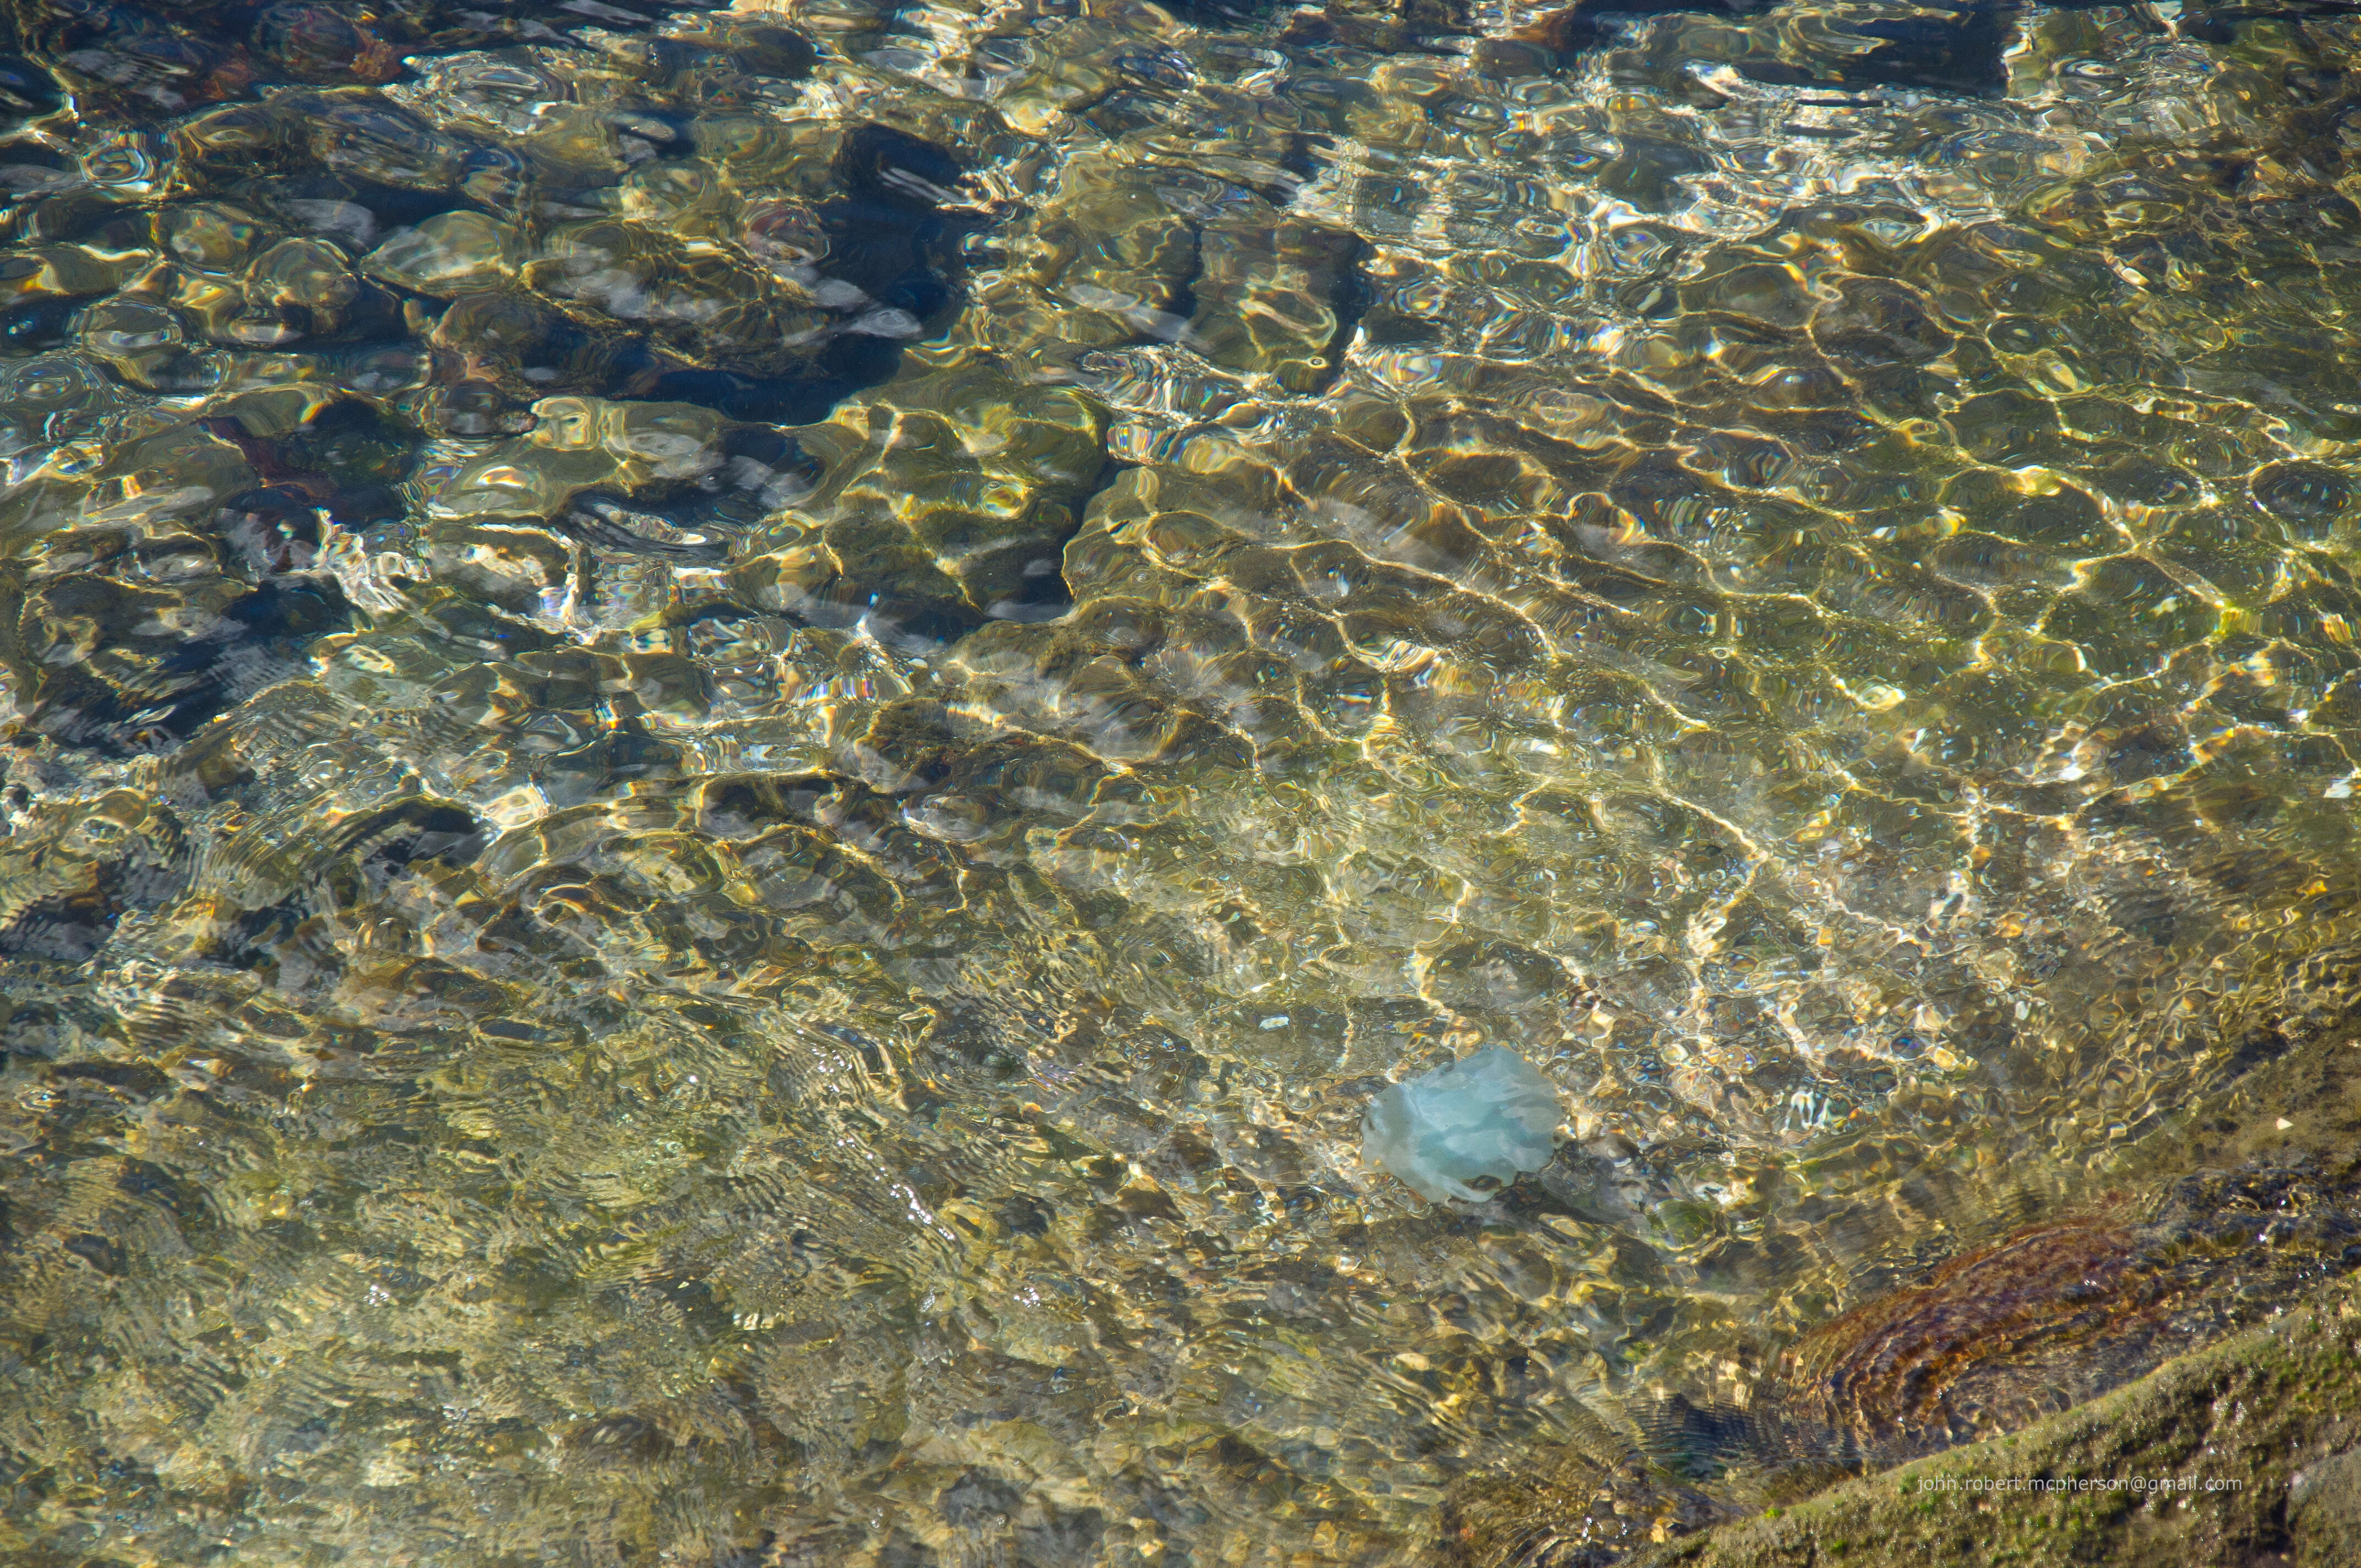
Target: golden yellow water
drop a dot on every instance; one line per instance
(736, 738)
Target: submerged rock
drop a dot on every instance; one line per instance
(2241, 1453)
(1994, 1341)
(1466, 1129)
(1599, 1501)
(2050, 1316)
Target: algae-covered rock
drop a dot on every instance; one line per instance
(146, 608)
(2052, 1316)
(941, 506)
(448, 254)
(2022, 1361)
(648, 449)
(2242, 1453)
(1599, 1501)
(710, 305)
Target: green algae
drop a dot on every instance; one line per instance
(2240, 1452)
(2261, 1175)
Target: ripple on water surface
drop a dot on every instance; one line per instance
(737, 741)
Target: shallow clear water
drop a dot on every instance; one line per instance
(738, 738)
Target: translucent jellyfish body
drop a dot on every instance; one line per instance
(1490, 1116)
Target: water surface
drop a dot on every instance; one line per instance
(736, 738)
